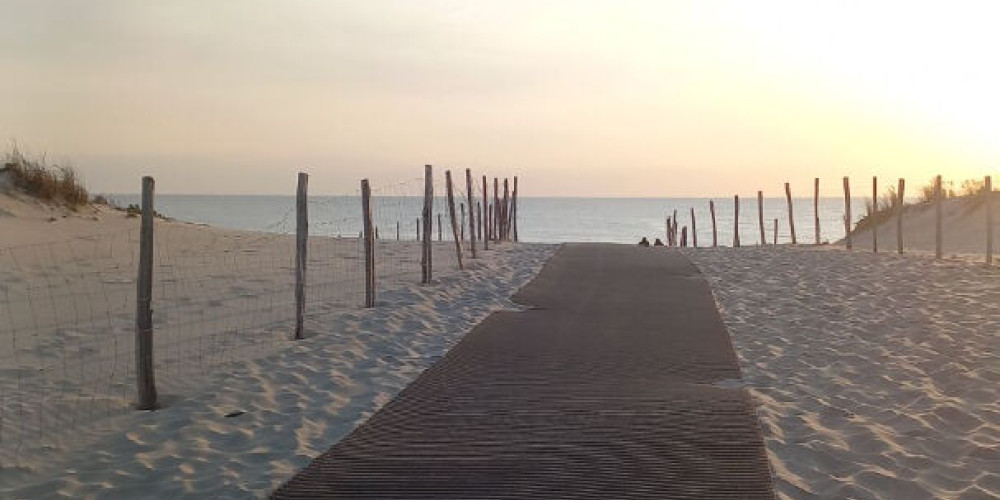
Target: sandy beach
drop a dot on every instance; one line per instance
(223, 348)
(877, 376)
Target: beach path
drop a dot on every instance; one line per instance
(618, 381)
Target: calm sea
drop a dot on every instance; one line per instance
(543, 220)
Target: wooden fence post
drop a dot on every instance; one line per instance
(847, 215)
(760, 217)
(145, 377)
(736, 221)
(791, 214)
(301, 246)
(816, 208)
(684, 236)
(426, 264)
(366, 217)
(715, 234)
(514, 210)
(397, 230)
(874, 210)
(505, 211)
(440, 226)
(694, 230)
(461, 224)
(899, 216)
(418, 229)
(988, 192)
(479, 224)
(775, 232)
(486, 215)
(454, 221)
(496, 209)
(472, 212)
(938, 197)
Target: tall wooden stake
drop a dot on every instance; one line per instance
(760, 217)
(715, 234)
(988, 193)
(397, 230)
(301, 244)
(736, 221)
(479, 224)
(505, 212)
(472, 212)
(366, 217)
(461, 225)
(816, 208)
(426, 264)
(775, 232)
(791, 215)
(145, 378)
(514, 210)
(496, 209)
(454, 221)
(847, 215)
(440, 232)
(874, 211)
(694, 230)
(899, 216)
(486, 216)
(938, 197)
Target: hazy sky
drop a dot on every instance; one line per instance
(613, 98)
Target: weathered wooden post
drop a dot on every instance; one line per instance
(874, 211)
(366, 217)
(145, 378)
(899, 216)
(694, 230)
(736, 221)
(479, 224)
(816, 208)
(461, 224)
(397, 230)
(847, 215)
(496, 209)
(514, 209)
(472, 212)
(440, 232)
(776, 232)
(301, 245)
(938, 197)
(988, 193)
(505, 212)
(715, 234)
(418, 229)
(684, 236)
(426, 264)
(454, 221)
(760, 217)
(486, 215)
(791, 215)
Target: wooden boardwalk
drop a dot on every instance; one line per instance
(606, 388)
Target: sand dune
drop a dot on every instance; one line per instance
(963, 229)
(878, 376)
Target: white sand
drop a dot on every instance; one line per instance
(878, 377)
(222, 310)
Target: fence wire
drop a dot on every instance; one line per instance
(67, 309)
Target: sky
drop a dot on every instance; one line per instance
(577, 98)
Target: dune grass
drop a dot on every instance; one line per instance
(50, 183)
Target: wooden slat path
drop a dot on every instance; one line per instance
(606, 388)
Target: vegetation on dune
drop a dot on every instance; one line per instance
(973, 190)
(51, 183)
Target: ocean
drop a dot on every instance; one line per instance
(540, 219)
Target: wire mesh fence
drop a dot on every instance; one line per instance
(68, 309)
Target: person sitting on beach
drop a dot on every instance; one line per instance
(644, 242)
(657, 243)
